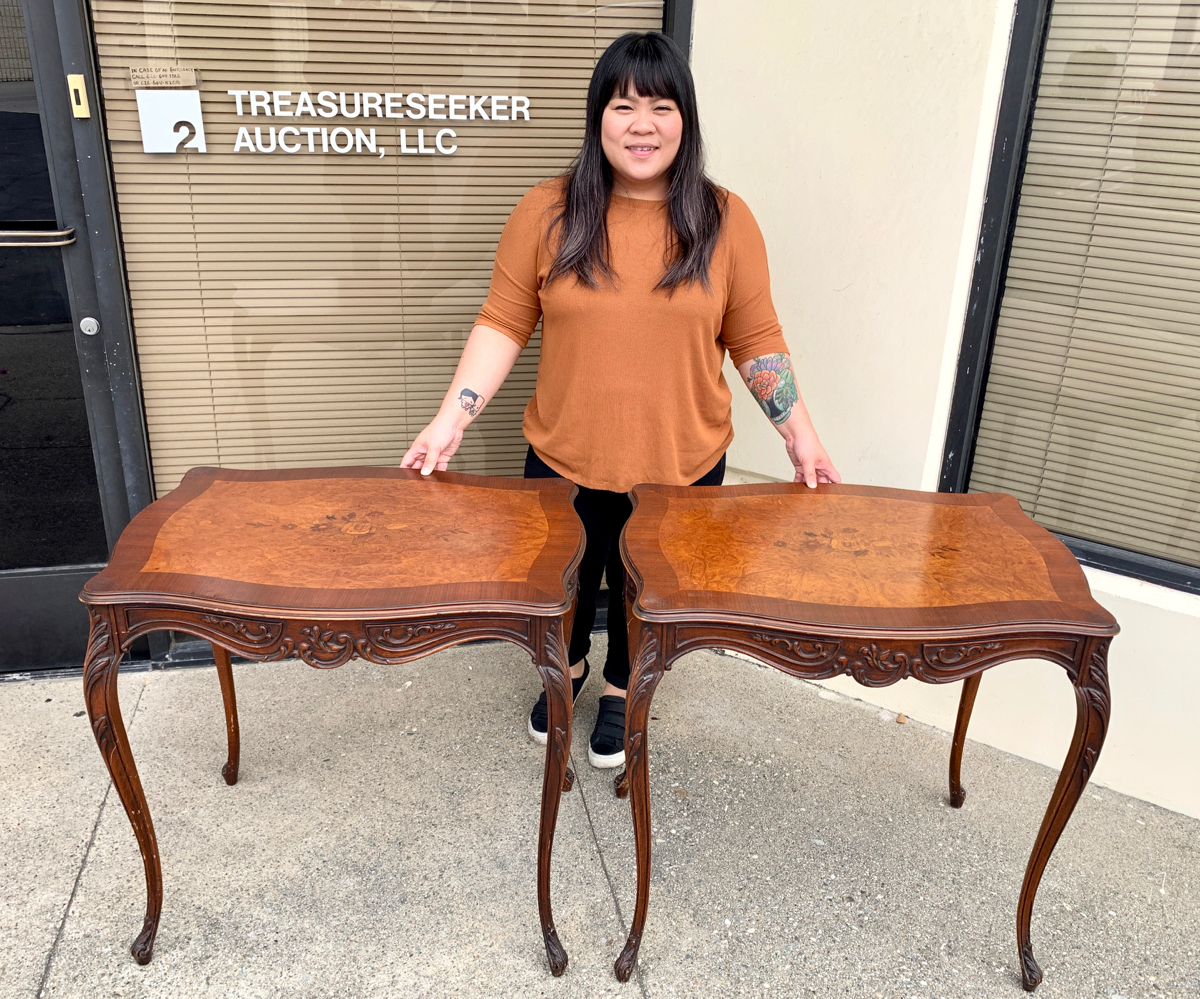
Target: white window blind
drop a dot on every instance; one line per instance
(1091, 415)
(308, 308)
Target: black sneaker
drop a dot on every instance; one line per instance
(606, 749)
(538, 716)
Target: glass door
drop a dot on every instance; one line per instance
(56, 524)
(49, 501)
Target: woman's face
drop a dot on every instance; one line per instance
(640, 137)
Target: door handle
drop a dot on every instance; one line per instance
(36, 237)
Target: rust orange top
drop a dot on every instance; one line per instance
(629, 385)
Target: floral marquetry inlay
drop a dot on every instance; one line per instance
(845, 550)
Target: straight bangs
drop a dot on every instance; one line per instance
(642, 77)
(647, 65)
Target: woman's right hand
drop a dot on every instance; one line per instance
(434, 446)
(486, 361)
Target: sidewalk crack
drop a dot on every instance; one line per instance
(612, 889)
(82, 865)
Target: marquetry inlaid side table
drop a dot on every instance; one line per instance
(329, 564)
(880, 584)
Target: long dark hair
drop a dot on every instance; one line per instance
(650, 65)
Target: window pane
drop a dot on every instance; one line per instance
(1092, 411)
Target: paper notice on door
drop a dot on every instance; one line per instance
(171, 77)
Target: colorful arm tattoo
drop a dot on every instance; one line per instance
(472, 402)
(771, 382)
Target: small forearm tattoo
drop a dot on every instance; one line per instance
(771, 381)
(472, 402)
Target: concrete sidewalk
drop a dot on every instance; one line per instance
(381, 842)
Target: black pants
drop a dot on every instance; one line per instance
(604, 514)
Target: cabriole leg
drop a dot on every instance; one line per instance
(958, 793)
(225, 674)
(556, 678)
(104, 711)
(644, 675)
(1092, 701)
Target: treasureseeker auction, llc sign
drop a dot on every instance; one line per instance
(310, 137)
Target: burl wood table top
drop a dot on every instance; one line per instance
(348, 543)
(843, 557)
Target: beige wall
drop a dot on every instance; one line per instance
(860, 135)
(852, 132)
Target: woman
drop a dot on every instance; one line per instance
(643, 273)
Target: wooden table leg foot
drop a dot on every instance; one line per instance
(958, 793)
(229, 696)
(143, 947)
(1031, 971)
(554, 952)
(621, 784)
(628, 959)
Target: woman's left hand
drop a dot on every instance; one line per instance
(808, 456)
(773, 385)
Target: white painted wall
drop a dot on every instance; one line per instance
(860, 135)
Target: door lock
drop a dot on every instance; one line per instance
(77, 88)
(89, 326)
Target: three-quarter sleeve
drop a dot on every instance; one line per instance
(513, 306)
(749, 327)
(629, 379)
